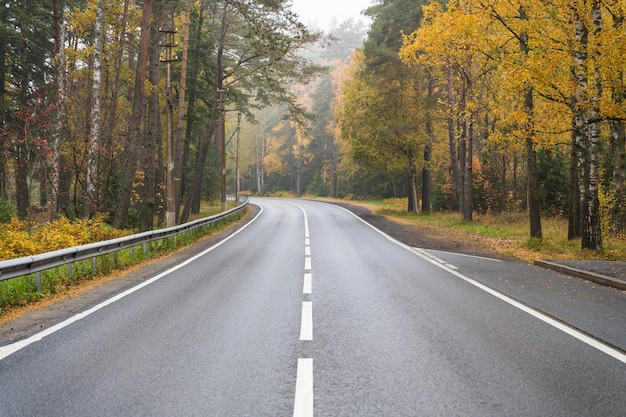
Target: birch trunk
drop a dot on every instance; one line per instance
(96, 109)
(59, 47)
(592, 233)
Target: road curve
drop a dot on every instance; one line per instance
(309, 311)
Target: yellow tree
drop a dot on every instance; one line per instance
(597, 97)
(451, 42)
(385, 123)
(517, 48)
(612, 51)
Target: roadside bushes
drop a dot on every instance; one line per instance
(16, 241)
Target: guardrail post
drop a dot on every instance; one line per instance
(39, 281)
(94, 263)
(69, 271)
(145, 248)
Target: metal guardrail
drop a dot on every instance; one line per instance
(28, 265)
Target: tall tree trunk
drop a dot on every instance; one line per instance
(532, 184)
(428, 151)
(466, 152)
(22, 194)
(334, 176)
(192, 202)
(581, 118)
(191, 106)
(574, 225)
(22, 164)
(427, 180)
(452, 139)
(109, 128)
(204, 144)
(3, 108)
(468, 186)
(93, 200)
(136, 138)
(147, 156)
(592, 233)
(618, 151)
(532, 181)
(413, 205)
(60, 79)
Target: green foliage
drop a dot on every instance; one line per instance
(7, 210)
(507, 233)
(318, 187)
(553, 171)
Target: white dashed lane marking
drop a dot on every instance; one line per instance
(306, 326)
(303, 401)
(308, 284)
(303, 405)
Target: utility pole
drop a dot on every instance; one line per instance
(222, 142)
(237, 181)
(170, 207)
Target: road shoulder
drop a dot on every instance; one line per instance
(35, 317)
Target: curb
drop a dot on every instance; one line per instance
(579, 273)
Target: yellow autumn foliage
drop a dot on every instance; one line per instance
(17, 242)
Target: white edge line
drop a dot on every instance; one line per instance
(303, 402)
(8, 350)
(460, 254)
(590, 341)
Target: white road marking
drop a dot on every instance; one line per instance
(308, 283)
(306, 323)
(303, 403)
(14, 347)
(577, 334)
(539, 315)
(306, 224)
(455, 254)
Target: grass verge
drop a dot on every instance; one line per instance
(506, 233)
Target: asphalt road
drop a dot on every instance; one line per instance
(309, 311)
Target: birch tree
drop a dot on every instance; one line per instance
(96, 110)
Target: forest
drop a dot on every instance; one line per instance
(139, 110)
(119, 107)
